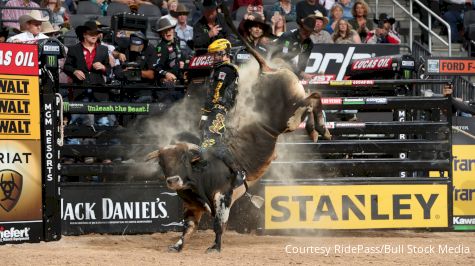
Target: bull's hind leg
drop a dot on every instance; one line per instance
(222, 204)
(192, 219)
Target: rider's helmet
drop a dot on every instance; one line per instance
(219, 48)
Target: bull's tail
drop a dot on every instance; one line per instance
(260, 59)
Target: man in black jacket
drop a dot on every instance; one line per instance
(210, 27)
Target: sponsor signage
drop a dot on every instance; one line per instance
(353, 101)
(331, 59)
(21, 206)
(331, 101)
(119, 208)
(376, 100)
(450, 66)
(372, 63)
(202, 61)
(463, 164)
(356, 206)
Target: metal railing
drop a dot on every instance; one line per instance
(428, 27)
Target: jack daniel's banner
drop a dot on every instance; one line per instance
(121, 208)
(333, 59)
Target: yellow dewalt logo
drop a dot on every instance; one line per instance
(356, 206)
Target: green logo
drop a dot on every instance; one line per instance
(65, 106)
(51, 61)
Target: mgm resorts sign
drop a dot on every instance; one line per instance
(119, 208)
(334, 59)
(356, 206)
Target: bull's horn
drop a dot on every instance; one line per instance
(195, 151)
(152, 155)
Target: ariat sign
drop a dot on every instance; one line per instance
(356, 206)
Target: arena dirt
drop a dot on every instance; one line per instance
(245, 249)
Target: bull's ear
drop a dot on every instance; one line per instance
(194, 151)
(152, 155)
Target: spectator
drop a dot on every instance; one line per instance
(210, 27)
(59, 14)
(172, 6)
(184, 32)
(345, 34)
(453, 14)
(308, 7)
(239, 3)
(3, 34)
(15, 14)
(258, 32)
(31, 23)
(296, 44)
(320, 35)
(360, 22)
(347, 6)
(384, 32)
(286, 8)
(87, 63)
(336, 13)
(170, 63)
(279, 25)
(327, 4)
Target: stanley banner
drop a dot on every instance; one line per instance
(356, 206)
(20, 145)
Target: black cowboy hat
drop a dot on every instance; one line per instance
(308, 23)
(163, 24)
(383, 17)
(258, 20)
(89, 26)
(209, 4)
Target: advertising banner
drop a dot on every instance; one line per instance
(356, 206)
(450, 66)
(119, 208)
(333, 60)
(464, 173)
(20, 145)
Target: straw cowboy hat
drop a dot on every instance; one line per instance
(47, 28)
(163, 24)
(180, 10)
(259, 20)
(319, 15)
(33, 15)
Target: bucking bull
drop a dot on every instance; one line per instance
(204, 182)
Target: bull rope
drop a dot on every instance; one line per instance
(464, 132)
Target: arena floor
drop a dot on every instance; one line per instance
(243, 249)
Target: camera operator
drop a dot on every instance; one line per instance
(137, 61)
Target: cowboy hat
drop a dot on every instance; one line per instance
(163, 24)
(383, 17)
(319, 15)
(180, 10)
(308, 23)
(47, 28)
(259, 20)
(209, 4)
(89, 26)
(33, 15)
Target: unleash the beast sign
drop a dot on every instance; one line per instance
(334, 59)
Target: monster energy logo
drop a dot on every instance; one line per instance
(65, 106)
(51, 61)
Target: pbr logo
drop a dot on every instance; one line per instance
(11, 183)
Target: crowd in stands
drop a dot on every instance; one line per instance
(180, 29)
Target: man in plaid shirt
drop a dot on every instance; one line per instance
(15, 14)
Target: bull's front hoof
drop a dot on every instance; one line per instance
(174, 249)
(213, 249)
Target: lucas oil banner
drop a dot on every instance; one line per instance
(20, 145)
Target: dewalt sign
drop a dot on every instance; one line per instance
(356, 206)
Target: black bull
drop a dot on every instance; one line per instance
(278, 105)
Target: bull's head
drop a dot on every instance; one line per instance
(175, 161)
